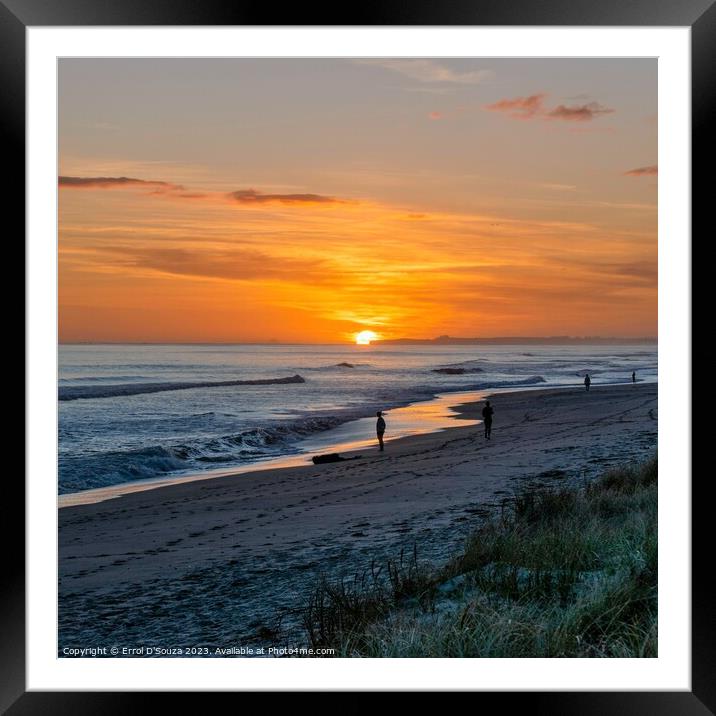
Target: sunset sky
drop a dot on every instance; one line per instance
(307, 200)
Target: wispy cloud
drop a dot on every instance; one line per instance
(115, 183)
(233, 265)
(579, 113)
(643, 171)
(533, 106)
(252, 197)
(248, 197)
(629, 271)
(428, 71)
(519, 107)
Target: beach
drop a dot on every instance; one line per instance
(230, 561)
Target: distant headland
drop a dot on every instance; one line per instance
(519, 340)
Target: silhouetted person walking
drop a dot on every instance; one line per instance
(587, 381)
(633, 376)
(380, 429)
(487, 412)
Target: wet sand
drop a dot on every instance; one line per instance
(230, 561)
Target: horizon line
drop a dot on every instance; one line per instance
(438, 339)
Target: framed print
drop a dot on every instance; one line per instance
(345, 347)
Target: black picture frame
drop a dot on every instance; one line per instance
(17, 15)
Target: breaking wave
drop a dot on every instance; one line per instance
(534, 380)
(111, 468)
(335, 366)
(85, 392)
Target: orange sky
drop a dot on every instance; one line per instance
(470, 198)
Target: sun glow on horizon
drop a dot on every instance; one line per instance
(373, 222)
(364, 338)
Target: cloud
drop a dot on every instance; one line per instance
(115, 183)
(519, 107)
(643, 171)
(428, 71)
(624, 273)
(532, 107)
(579, 113)
(251, 197)
(232, 265)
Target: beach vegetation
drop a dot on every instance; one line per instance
(556, 573)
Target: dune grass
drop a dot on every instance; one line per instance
(560, 573)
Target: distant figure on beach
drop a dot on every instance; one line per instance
(587, 381)
(380, 429)
(487, 412)
(633, 376)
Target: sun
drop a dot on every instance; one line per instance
(365, 337)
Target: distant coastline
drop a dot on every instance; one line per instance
(519, 340)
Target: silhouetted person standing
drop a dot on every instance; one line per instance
(587, 381)
(633, 376)
(487, 412)
(380, 429)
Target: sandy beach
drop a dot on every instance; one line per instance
(230, 561)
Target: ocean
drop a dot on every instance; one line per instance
(138, 412)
